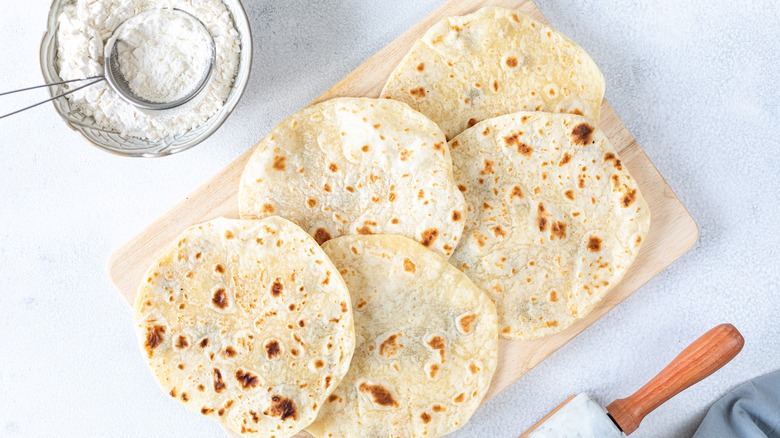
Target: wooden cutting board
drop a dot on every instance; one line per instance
(672, 233)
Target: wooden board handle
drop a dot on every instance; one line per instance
(702, 358)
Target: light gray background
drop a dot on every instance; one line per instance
(697, 83)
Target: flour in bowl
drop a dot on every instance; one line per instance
(163, 54)
(86, 25)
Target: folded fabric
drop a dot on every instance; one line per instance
(752, 410)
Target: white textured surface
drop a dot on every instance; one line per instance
(698, 83)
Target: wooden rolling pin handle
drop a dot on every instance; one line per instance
(702, 358)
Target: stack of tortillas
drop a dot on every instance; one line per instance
(476, 199)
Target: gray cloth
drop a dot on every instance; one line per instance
(752, 410)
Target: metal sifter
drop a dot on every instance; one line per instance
(112, 73)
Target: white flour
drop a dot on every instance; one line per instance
(85, 26)
(163, 54)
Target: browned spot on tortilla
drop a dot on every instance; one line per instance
(219, 268)
(522, 148)
(379, 394)
(229, 352)
(327, 187)
(486, 131)
(268, 208)
(364, 230)
(511, 61)
(409, 266)
(421, 194)
(154, 337)
(553, 296)
(628, 198)
(472, 122)
(334, 397)
(462, 188)
(582, 134)
(418, 92)
(365, 148)
(219, 384)
(466, 321)
(498, 231)
(277, 288)
(350, 189)
(220, 298)
(206, 411)
(616, 163)
(389, 347)
(456, 216)
(294, 351)
(434, 369)
(488, 169)
(581, 181)
(333, 167)
(282, 407)
(279, 163)
(182, 342)
(549, 324)
(429, 236)
(594, 244)
(394, 221)
(516, 192)
(185, 397)
(495, 85)
(541, 220)
(311, 202)
(421, 67)
(438, 408)
(173, 392)
(391, 197)
(272, 349)
(322, 235)
(437, 343)
(319, 363)
(569, 194)
(327, 381)
(473, 368)
(204, 343)
(481, 238)
(425, 417)
(558, 230)
(565, 159)
(221, 412)
(247, 379)
(460, 398)
(638, 240)
(362, 303)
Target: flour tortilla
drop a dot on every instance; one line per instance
(494, 62)
(357, 166)
(247, 323)
(427, 342)
(554, 219)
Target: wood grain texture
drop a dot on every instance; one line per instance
(672, 233)
(703, 357)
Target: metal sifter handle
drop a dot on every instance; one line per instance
(94, 79)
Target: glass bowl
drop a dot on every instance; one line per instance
(113, 141)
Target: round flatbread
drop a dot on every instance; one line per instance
(493, 62)
(427, 342)
(357, 166)
(554, 218)
(247, 323)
